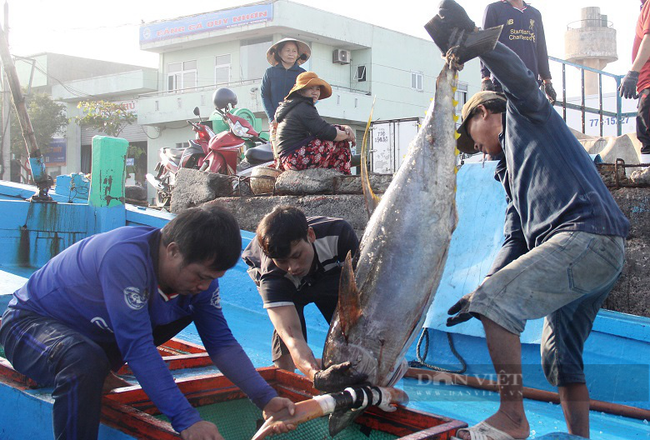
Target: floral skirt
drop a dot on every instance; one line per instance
(319, 154)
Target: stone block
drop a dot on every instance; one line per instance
(311, 181)
(194, 187)
(249, 210)
(630, 294)
(641, 176)
(352, 184)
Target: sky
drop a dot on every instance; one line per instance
(108, 30)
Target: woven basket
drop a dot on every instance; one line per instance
(263, 180)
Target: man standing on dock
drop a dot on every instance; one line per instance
(636, 84)
(523, 32)
(112, 298)
(294, 261)
(564, 242)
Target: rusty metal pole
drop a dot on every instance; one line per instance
(36, 163)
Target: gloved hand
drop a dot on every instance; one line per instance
(548, 89)
(487, 85)
(460, 310)
(628, 86)
(337, 377)
(444, 26)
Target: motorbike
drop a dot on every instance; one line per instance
(218, 153)
(227, 153)
(172, 159)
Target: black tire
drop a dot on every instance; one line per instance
(164, 199)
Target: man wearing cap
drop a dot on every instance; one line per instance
(564, 238)
(638, 79)
(304, 139)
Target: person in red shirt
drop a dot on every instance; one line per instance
(636, 84)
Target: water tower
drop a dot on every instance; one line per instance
(592, 43)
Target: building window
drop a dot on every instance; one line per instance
(182, 75)
(362, 73)
(222, 69)
(461, 96)
(416, 81)
(252, 58)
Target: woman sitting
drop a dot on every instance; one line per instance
(304, 139)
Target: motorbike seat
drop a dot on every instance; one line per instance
(174, 153)
(261, 153)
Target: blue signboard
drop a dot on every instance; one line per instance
(211, 21)
(55, 155)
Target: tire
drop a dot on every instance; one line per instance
(164, 199)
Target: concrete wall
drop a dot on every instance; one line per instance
(630, 295)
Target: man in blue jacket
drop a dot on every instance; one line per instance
(112, 298)
(564, 237)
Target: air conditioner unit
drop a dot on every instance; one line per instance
(341, 56)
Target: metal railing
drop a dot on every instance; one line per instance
(582, 107)
(252, 82)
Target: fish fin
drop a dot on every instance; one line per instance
(371, 199)
(340, 420)
(456, 135)
(349, 307)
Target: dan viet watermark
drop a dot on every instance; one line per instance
(625, 384)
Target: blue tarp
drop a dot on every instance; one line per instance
(481, 205)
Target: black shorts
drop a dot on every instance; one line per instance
(643, 121)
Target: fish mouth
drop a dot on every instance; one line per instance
(362, 360)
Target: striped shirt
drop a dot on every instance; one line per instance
(334, 239)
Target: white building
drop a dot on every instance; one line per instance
(200, 53)
(70, 80)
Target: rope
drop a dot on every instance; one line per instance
(421, 360)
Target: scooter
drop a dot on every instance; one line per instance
(217, 153)
(226, 149)
(172, 159)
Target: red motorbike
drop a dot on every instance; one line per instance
(217, 153)
(172, 159)
(226, 149)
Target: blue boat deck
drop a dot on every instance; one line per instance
(616, 354)
(251, 326)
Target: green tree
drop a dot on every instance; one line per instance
(112, 118)
(107, 117)
(47, 117)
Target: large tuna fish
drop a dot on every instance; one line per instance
(385, 293)
(384, 299)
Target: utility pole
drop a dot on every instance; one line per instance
(36, 161)
(5, 151)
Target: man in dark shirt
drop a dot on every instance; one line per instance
(295, 260)
(112, 298)
(523, 32)
(564, 238)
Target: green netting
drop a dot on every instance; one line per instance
(237, 420)
(2, 352)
